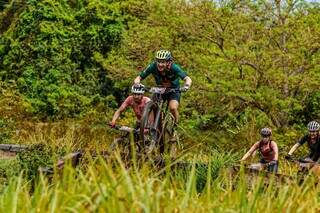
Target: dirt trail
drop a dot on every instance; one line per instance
(7, 155)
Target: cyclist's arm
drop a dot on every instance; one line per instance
(294, 148)
(147, 99)
(250, 152)
(275, 149)
(137, 80)
(182, 74)
(117, 114)
(144, 74)
(254, 152)
(299, 143)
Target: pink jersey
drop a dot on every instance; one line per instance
(137, 107)
(267, 150)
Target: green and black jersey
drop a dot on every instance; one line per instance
(314, 146)
(169, 78)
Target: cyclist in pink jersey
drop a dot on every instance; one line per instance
(136, 101)
(268, 150)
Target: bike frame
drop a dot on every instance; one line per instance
(304, 165)
(157, 98)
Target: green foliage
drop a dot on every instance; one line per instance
(252, 63)
(9, 168)
(309, 111)
(6, 130)
(67, 57)
(37, 155)
(218, 161)
(49, 52)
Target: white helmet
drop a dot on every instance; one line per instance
(164, 55)
(138, 89)
(313, 126)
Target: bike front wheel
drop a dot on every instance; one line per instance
(147, 133)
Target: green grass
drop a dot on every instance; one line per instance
(111, 186)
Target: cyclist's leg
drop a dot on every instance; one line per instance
(136, 131)
(137, 136)
(173, 107)
(173, 103)
(269, 168)
(273, 168)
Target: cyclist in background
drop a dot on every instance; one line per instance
(136, 101)
(313, 141)
(268, 150)
(167, 74)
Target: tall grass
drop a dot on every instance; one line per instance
(104, 187)
(109, 186)
(203, 184)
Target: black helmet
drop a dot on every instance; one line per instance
(265, 132)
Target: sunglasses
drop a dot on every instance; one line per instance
(136, 94)
(161, 61)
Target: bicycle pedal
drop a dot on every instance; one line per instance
(150, 150)
(173, 138)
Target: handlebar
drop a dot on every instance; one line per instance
(123, 128)
(162, 90)
(301, 160)
(303, 163)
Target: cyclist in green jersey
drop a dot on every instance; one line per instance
(167, 74)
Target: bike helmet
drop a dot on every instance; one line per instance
(138, 89)
(265, 132)
(313, 126)
(164, 55)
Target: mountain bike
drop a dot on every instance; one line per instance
(253, 173)
(306, 167)
(123, 143)
(253, 168)
(157, 123)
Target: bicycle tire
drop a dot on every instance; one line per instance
(166, 132)
(121, 144)
(145, 124)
